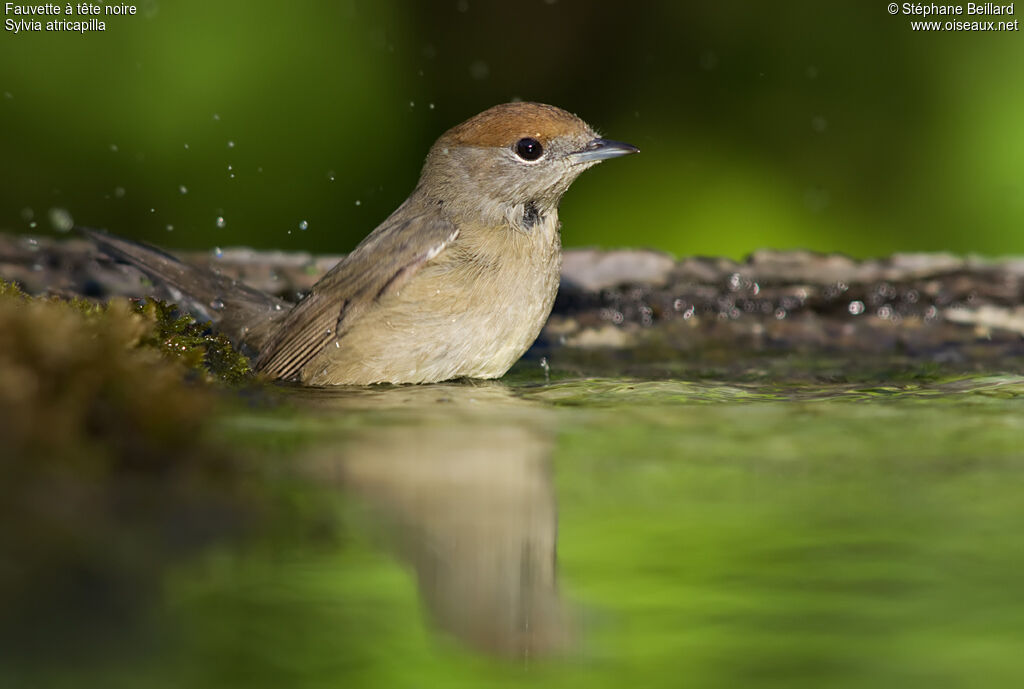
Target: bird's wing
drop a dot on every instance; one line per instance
(383, 262)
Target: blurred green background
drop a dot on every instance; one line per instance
(830, 126)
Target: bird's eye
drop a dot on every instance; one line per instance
(529, 149)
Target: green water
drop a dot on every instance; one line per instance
(599, 532)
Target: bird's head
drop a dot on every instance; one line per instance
(511, 159)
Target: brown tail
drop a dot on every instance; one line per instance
(244, 314)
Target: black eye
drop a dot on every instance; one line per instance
(529, 149)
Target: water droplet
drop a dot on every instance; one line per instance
(119, 192)
(152, 210)
(856, 307)
(170, 228)
(330, 175)
(218, 252)
(780, 314)
(217, 304)
(230, 168)
(61, 219)
(259, 169)
(412, 104)
(113, 148)
(182, 189)
(358, 202)
(216, 117)
(33, 224)
(186, 147)
(479, 70)
(430, 105)
(231, 144)
(303, 225)
(220, 221)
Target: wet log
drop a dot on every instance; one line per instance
(931, 306)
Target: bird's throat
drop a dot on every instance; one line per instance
(531, 216)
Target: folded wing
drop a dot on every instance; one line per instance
(414, 234)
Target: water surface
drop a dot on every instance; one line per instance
(746, 530)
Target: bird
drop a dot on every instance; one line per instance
(456, 283)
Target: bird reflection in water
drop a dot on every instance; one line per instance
(466, 495)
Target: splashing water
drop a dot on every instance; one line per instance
(61, 219)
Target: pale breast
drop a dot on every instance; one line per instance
(470, 312)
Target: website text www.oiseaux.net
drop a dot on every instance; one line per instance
(971, 16)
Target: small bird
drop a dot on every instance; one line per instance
(457, 282)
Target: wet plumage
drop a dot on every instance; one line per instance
(457, 282)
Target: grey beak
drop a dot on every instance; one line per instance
(603, 149)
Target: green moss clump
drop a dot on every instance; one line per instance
(105, 455)
(181, 336)
(80, 381)
(177, 335)
(10, 289)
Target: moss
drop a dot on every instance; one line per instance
(10, 289)
(105, 455)
(177, 335)
(80, 380)
(180, 336)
